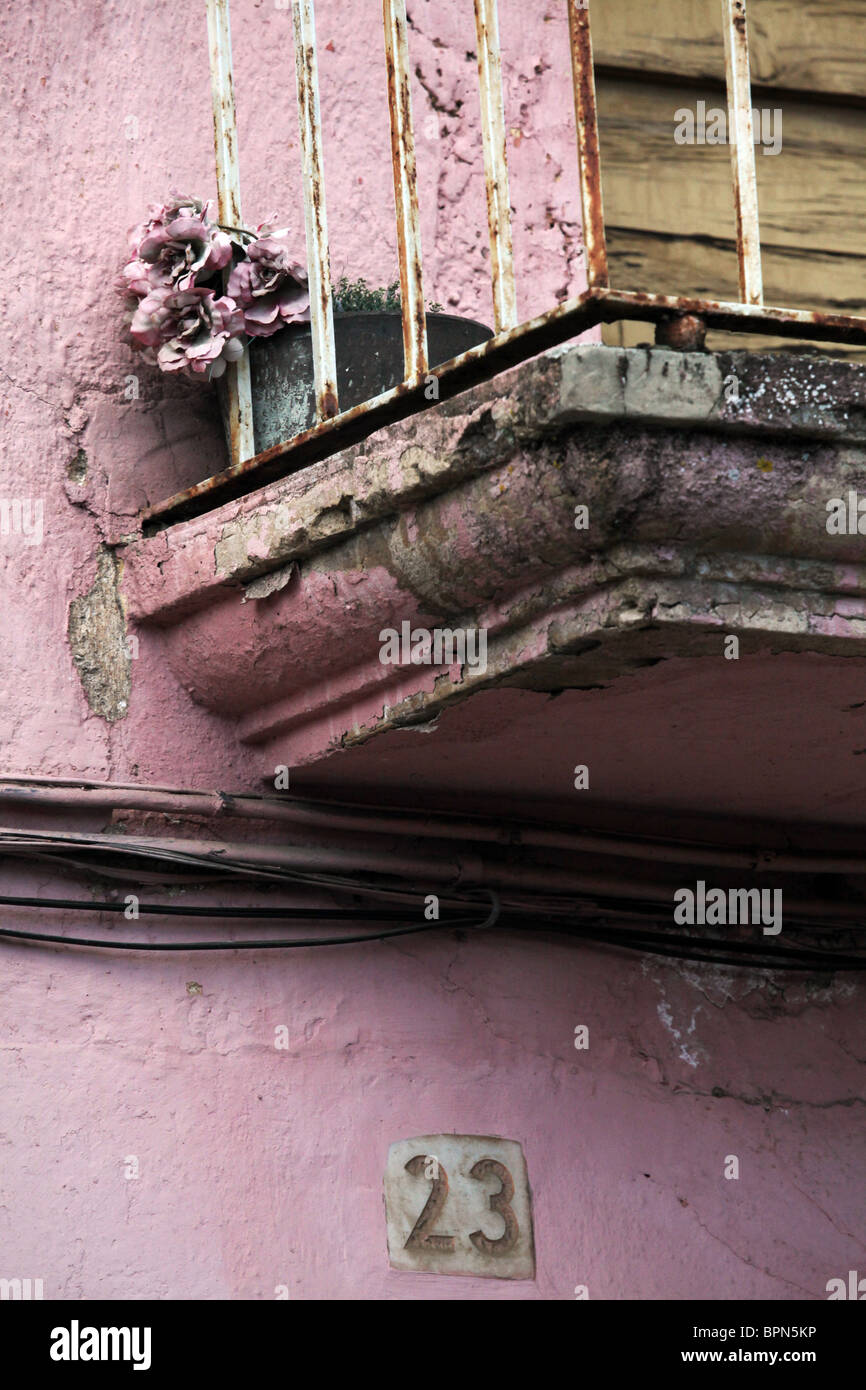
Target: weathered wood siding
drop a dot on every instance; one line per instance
(669, 206)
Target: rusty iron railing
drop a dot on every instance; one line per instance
(239, 401)
(679, 320)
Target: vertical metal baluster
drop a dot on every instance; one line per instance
(495, 165)
(741, 139)
(315, 217)
(240, 401)
(405, 190)
(586, 121)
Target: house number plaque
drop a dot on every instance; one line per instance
(459, 1204)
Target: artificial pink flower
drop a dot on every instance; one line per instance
(176, 247)
(269, 286)
(180, 322)
(189, 331)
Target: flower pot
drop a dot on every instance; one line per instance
(369, 352)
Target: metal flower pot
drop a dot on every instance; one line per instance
(369, 352)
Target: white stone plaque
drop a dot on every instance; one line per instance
(459, 1204)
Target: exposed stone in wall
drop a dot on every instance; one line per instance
(97, 637)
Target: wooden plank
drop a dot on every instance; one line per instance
(819, 46)
(812, 194)
(672, 265)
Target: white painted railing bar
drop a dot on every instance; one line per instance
(405, 190)
(742, 150)
(315, 213)
(495, 164)
(238, 388)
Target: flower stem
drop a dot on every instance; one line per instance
(241, 231)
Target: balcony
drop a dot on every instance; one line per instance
(594, 514)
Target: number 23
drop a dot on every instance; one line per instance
(422, 1238)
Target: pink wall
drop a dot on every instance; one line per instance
(262, 1167)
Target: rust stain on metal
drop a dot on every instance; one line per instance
(237, 378)
(330, 406)
(495, 165)
(737, 318)
(315, 217)
(685, 332)
(589, 159)
(405, 189)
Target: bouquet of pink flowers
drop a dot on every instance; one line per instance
(185, 315)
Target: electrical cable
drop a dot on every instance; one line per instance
(555, 913)
(176, 910)
(733, 945)
(718, 952)
(623, 906)
(219, 866)
(664, 943)
(222, 868)
(57, 940)
(618, 935)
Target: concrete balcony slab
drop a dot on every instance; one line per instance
(591, 513)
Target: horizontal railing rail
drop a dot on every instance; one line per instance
(679, 320)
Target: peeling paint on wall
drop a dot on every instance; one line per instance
(97, 638)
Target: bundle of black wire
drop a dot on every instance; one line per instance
(575, 919)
